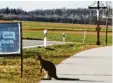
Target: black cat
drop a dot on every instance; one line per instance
(50, 69)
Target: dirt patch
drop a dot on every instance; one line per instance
(64, 30)
(40, 29)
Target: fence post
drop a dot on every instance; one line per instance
(84, 36)
(63, 37)
(45, 37)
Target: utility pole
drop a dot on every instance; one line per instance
(109, 5)
(98, 20)
(106, 26)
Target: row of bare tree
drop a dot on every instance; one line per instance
(81, 16)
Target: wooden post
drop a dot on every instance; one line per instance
(21, 51)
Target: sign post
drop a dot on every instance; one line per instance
(21, 51)
(11, 40)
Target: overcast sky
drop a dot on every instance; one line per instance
(32, 5)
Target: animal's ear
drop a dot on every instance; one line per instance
(39, 57)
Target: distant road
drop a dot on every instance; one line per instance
(35, 43)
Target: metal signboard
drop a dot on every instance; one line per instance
(10, 39)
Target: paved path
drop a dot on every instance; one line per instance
(91, 66)
(35, 43)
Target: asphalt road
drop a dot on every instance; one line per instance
(35, 43)
(91, 66)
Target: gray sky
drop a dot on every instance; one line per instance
(32, 5)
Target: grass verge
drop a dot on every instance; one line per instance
(10, 66)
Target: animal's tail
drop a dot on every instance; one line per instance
(70, 79)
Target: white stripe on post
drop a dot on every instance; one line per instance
(45, 37)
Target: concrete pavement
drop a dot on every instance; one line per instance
(90, 66)
(35, 43)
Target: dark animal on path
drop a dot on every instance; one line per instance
(50, 69)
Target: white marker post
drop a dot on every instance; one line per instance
(45, 37)
(84, 36)
(63, 37)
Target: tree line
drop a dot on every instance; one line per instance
(63, 15)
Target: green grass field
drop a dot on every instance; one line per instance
(10, 66)
(67, 26)
(73, 32)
